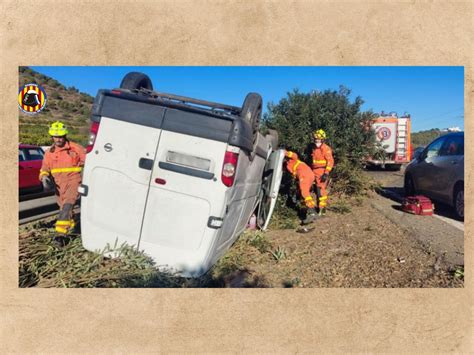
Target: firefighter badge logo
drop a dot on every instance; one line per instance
(31, 98)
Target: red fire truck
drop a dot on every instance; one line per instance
(393, 137)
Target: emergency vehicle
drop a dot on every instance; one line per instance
(393, 135)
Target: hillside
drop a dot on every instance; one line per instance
(65, 104)
(423, 138)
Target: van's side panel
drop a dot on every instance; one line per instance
(113, 209)
(175, 228)
(242, 197)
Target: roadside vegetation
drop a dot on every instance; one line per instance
(43, 264)
(296, 117)
(423, 138)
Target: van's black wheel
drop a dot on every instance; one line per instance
(272, 137)
(135, 80)
(252, 112)
(458, 199)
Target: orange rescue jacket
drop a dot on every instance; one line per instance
(322, 158)
(296, 167)
(63, 162)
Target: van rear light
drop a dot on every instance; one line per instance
(92, 136)
(229, 168)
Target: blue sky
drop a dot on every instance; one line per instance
(434, 96)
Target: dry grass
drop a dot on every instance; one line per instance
(344, 250)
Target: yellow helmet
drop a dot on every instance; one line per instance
(57, 129)
(319, 134)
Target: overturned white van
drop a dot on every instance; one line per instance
(176, 177)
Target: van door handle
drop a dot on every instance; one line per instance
(145, 163)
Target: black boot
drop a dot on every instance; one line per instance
(59, 241)
(311, 216)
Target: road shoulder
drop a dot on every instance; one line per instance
(434, 234)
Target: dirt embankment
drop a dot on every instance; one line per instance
(362, 248)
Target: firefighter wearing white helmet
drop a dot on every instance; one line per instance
(323, 163)
(61, 170)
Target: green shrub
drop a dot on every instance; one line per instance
(258, 240)
(347, 178)
(298, 115)
(279, 254)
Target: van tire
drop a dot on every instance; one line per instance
(272, 137)
(252, 112)
(135, 81)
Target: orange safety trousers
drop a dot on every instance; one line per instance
(305, 177)
(64, 165)
(323, 163)
(321, 187)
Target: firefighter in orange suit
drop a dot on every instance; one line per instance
(61, 169)
(323, 162)
(305, 177)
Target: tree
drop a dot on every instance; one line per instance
(298, 115)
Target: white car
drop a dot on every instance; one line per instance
(176, 177)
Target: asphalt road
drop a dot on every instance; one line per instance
(37, 203)
(37, 208)
(440, 233)
(392, 183)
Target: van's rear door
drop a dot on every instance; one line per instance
(270, 187)
(118, 171)
(186, 190)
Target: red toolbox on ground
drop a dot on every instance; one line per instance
(419, 204)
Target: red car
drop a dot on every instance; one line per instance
(30, 158)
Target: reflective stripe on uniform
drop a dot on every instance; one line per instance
(61, 229)
(43, 172)
(296, 165)
(66, 170)
(63, 223)
(308, 198)
(322, 198)
(319, 161)
(328, 168)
